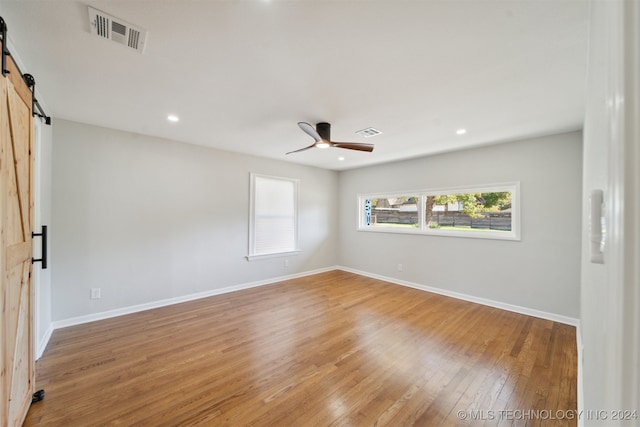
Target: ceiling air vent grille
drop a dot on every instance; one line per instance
(115, 29)
(369, 132)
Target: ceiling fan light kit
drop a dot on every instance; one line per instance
(321, 134)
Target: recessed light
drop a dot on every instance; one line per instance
(341, 158)
(173, 118)
(461, 131)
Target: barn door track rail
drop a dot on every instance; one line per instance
(5, 49)
(28, 78)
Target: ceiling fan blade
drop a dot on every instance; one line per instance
(301, 149)
(353, 146)
(310, 130)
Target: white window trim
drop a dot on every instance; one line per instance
(514, 234)
(252, 256)
(273, 255)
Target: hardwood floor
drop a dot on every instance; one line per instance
(330, 349)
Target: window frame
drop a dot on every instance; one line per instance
(252, 255)
(422, 229)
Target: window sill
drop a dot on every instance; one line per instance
(479, 234)
(268, 256)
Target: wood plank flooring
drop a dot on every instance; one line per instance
(333, 349)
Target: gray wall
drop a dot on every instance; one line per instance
(147, 219)
(541, 272)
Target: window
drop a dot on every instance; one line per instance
(273, 225)
(392, 211)
(489, 211)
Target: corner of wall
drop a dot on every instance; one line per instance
(42, 343)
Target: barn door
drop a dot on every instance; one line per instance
(16, 219)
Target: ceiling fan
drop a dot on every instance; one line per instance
(322, 136)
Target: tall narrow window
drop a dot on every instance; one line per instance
(273, 226)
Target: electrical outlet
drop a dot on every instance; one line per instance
(399, 267)
(95, 293)
(286, 263)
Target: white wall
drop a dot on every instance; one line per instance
(593, 294)
(147, 219)
(540, 272)
(610, 292)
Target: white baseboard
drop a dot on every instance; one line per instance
(484, 301)
(176, 300)
(42, 345)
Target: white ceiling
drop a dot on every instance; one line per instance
(241, 74)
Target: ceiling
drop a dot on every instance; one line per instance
(241, 73)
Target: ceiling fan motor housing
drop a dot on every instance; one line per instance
(324, 130)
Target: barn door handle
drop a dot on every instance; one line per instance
(43, 234)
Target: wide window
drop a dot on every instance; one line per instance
(489, 211)
(273, 225)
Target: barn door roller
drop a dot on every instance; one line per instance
(36, 108)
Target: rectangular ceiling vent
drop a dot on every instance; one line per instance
(369, 132)
(115, 29)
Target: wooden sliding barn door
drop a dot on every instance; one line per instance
(16, 220)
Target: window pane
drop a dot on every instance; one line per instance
(469, 211)
(397, 211)
(274, 234)
(274, 227)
